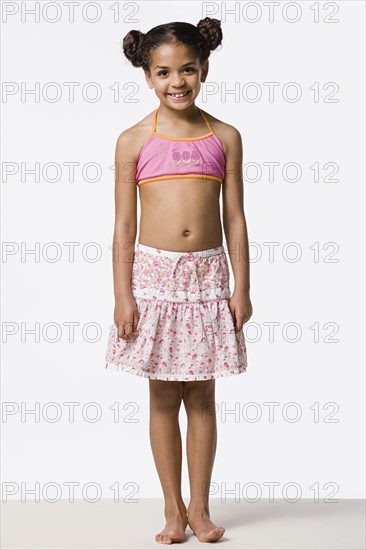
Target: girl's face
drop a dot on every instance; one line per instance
(173, 70)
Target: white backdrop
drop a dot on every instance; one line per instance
(295, 420)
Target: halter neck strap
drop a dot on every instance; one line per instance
(199, 110)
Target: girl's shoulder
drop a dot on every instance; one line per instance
(135, 136)
(226, 133)
(143, 125)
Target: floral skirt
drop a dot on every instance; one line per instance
(186, 329)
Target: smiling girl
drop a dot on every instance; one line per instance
(176, 321)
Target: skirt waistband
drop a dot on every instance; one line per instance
(172, 254)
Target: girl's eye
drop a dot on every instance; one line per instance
(190, 69)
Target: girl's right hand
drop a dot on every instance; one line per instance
(126, 318)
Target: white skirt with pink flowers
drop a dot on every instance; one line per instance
(186, 329)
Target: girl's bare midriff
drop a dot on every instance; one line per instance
(181, 215)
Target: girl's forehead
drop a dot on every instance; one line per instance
(173, 51)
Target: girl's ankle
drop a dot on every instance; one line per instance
(198, 510)
(175, 509)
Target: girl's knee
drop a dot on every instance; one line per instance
(198, 392)
(165, 394)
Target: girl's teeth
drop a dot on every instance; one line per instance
(179, 95)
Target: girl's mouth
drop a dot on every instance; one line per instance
(180, 95)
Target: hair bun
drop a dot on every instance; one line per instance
(211, 31)
(131, 46)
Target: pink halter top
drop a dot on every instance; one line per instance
(163, 157)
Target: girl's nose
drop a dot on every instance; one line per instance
(178, 82)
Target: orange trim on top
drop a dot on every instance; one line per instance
(181, 176)
(154, 122)
(183, 139)
(206, 120)
(154, 132)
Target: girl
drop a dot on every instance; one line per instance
(177, 322)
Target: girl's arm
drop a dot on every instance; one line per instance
(234, 222)
(125, 215)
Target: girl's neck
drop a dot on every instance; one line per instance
(189, 115)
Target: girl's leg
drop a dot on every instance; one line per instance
(166, 445)
(199, 401)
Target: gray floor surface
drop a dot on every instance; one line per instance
(264, 525)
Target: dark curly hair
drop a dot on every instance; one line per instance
(202, 39)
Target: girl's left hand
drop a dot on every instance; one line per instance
(241, 308)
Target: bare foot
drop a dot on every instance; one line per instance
(204, 529)
(174, 530)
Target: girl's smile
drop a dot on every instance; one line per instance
(179, 97)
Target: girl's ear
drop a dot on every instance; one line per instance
(204, 71)
(148, 79)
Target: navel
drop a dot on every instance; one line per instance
(186, 232)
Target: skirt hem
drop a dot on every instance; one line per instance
(177, 377)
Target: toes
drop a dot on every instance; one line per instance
(170, 537)
(212, 535)
(218, 533)
(176, 536)
(163, 539)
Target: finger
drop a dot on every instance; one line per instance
(130, 331)
(238, 325)
(121, 332)
(128, 328)
(124, 330)
(239, 321)
(136, 322)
